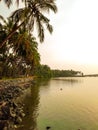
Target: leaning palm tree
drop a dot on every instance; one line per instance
(32, 13)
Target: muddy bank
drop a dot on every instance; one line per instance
(11, 110)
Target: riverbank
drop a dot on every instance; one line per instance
(11, 110)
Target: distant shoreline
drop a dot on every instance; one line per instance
(91, 75)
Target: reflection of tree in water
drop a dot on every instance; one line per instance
(42, 82)
(69, 81)
(31, 102)
(72, 81)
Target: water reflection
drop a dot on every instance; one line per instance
(70, 81)
(42, 82)
(73, 108)
(31, 105)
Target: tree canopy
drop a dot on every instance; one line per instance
(32, 13)
(18, 45)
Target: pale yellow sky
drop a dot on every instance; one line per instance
(74, 42)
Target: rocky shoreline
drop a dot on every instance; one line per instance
(11, 110)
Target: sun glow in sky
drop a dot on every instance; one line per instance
(74, 42)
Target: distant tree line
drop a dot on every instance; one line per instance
(66, 73)
(44, 71)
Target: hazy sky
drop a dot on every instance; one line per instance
(74, 42)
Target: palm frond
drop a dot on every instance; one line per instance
(17, 1)
(43, 18)
(47, 5)
(31, 24)
(50, 28)
(17, 15)
(8, 2)
(40, 29)
(3, 20)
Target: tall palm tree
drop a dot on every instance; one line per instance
(30, 15)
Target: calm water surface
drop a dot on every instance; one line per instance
(63, 104)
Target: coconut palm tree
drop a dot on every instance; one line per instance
(30, 15)
(20, 51)
(25, 50)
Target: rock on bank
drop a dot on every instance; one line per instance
(11, 111)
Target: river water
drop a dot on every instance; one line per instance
(62, 104)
